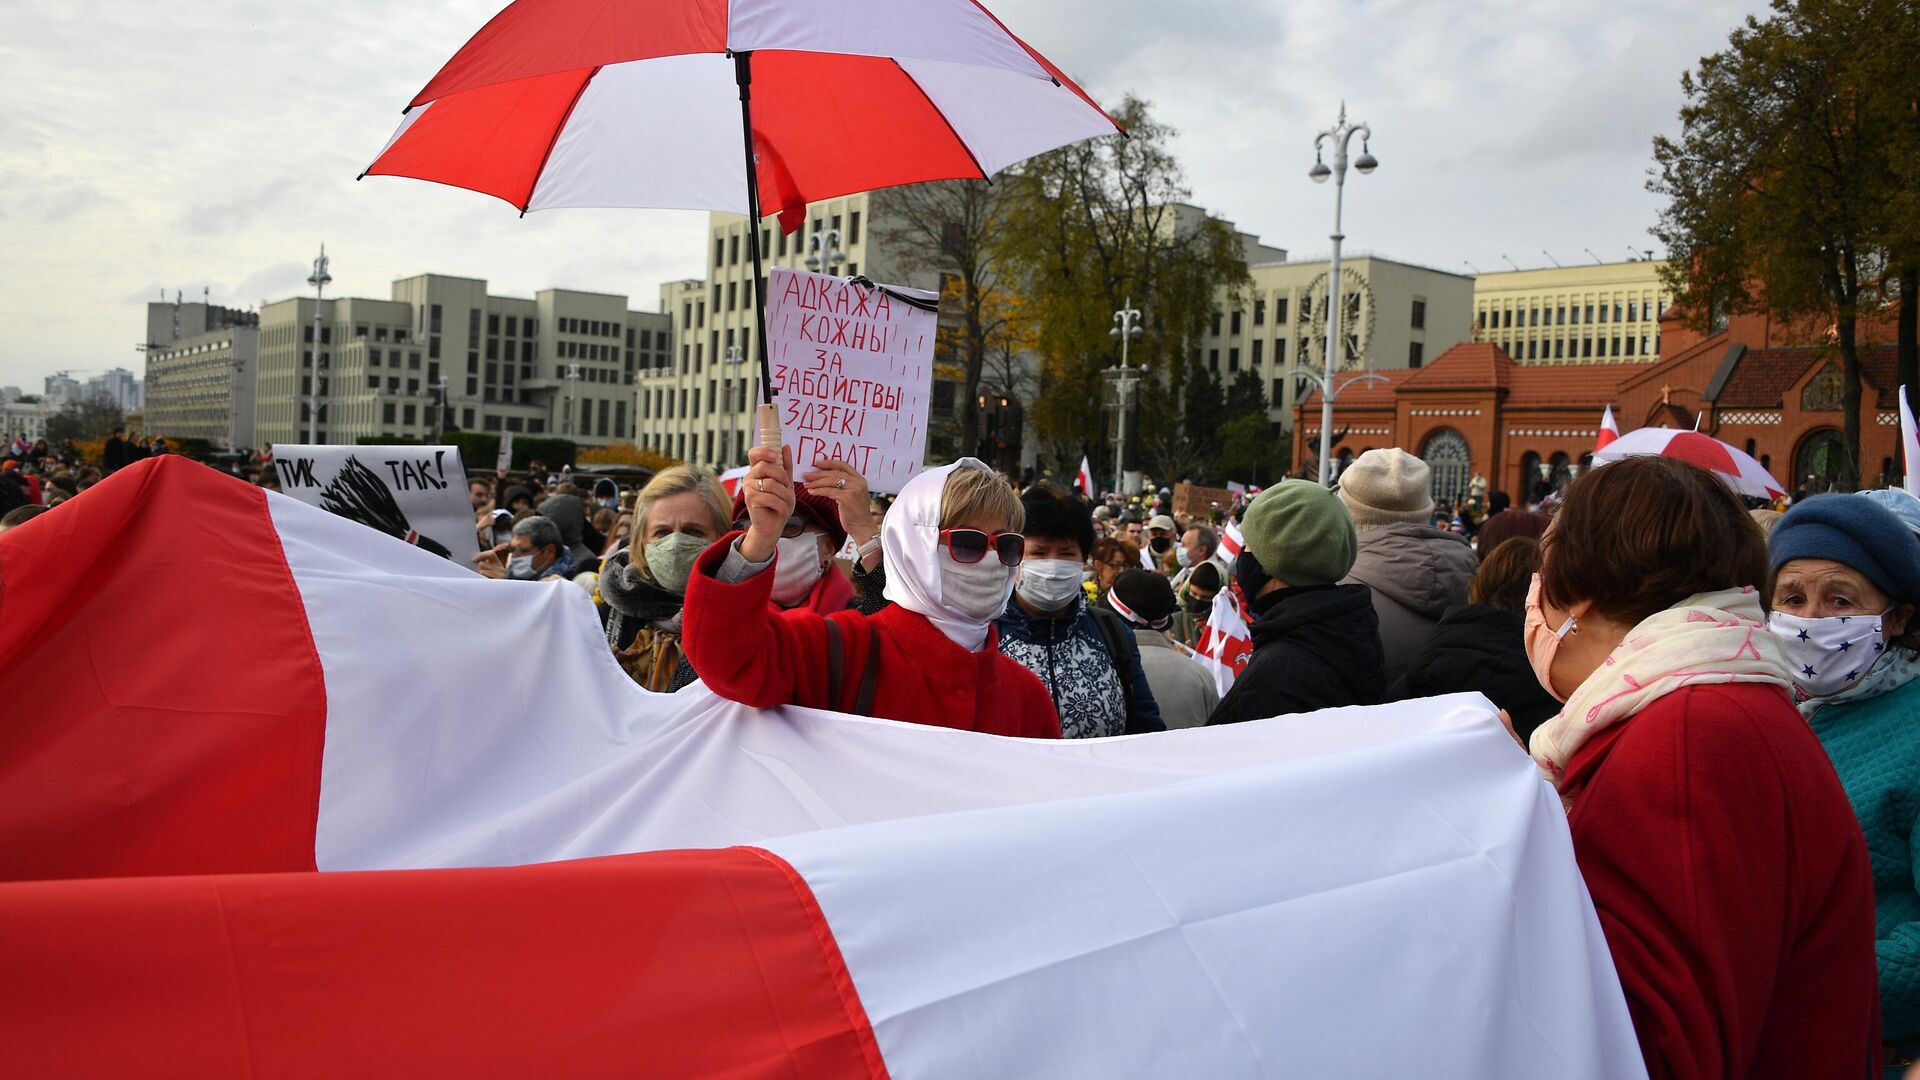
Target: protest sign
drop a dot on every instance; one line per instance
(505, 460)
(1192, 500)
(853, 365)
(413, 493)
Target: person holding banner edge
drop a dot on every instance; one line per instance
(951, 543)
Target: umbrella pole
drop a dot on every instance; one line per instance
(767, 415)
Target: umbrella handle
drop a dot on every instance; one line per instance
(767, 419)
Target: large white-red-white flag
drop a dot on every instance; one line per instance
(1084, 481)
(1609, 430)
(212, 692)
(1231, 543)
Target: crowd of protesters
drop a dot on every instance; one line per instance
(1726, 699)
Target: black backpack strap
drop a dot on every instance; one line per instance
(1111, 627)
(836, 664)
(870, 678)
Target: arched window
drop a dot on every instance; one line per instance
(1528, 491)
(1558, 475)
(1445, 453)
(1817, 465)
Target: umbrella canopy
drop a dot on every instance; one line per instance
(1746, 475)
(637, 103)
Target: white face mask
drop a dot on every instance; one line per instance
(796, 568)
(1829, 655)
(1185, 560)
(977, 591)
(1049, 584)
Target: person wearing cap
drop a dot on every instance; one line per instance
(1416, 572)
(1195, 594)
(1316, 639)
(1182, 689)
(803, 575)
(582, 542)
(1902, 502)
(606, 494)
(1161, 530)
(1846, 579)
(1084, 655)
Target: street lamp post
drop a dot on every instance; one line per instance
(573, 382)
(440, 408)
(1126, 327)
(319, 279)
(1339, 135)
(824, 255)
(735, 355)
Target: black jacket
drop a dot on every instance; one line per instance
(1313, 648)
(1479, 647)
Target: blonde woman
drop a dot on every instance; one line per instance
(643, 587)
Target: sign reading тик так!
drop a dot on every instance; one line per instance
(853, 365)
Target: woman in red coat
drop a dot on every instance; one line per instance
(1719, 848)
(951, 542)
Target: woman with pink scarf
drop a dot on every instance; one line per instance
(1721, 853)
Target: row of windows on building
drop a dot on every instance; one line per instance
(726, 249)
(1634, 345)
(1416, 355)
(672, 403)
(1568, 314)
(1416, 320)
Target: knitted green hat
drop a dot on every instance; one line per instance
(1300, 533)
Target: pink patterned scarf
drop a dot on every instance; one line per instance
(1716, 637)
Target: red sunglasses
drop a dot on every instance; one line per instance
(971, 545)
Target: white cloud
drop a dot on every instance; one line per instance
(216, 144)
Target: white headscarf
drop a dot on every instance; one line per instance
(910, 544)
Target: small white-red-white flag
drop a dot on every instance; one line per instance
(730, 480)
(1226, 644)
(1609, 430)
(1231, 543)
(1085, 480)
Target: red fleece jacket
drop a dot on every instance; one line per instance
(750, 652)
(1731, 880)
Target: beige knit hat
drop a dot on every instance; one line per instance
(1387, 487)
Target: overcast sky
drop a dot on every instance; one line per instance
(198, 144)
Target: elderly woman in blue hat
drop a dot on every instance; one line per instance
(1846, 579)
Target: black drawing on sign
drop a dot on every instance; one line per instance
(357, 494)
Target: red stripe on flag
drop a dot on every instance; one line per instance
(165, 708)
(681, 963)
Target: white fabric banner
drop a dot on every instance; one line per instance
(1331, 894)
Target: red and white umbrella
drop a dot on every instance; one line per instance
(637, 103)
(1746, 475)
(664, 103)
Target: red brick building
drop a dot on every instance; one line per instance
(1528, 428)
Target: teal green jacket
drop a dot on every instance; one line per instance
(1875, 746)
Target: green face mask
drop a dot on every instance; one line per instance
(670, 560)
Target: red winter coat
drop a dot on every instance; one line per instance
(1731, 879)
(748, 651)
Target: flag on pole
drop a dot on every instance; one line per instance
(730, 480)
(1226, 645)
(1609, 430)
(569, 875)
(1085, 480)
(1909, 446)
